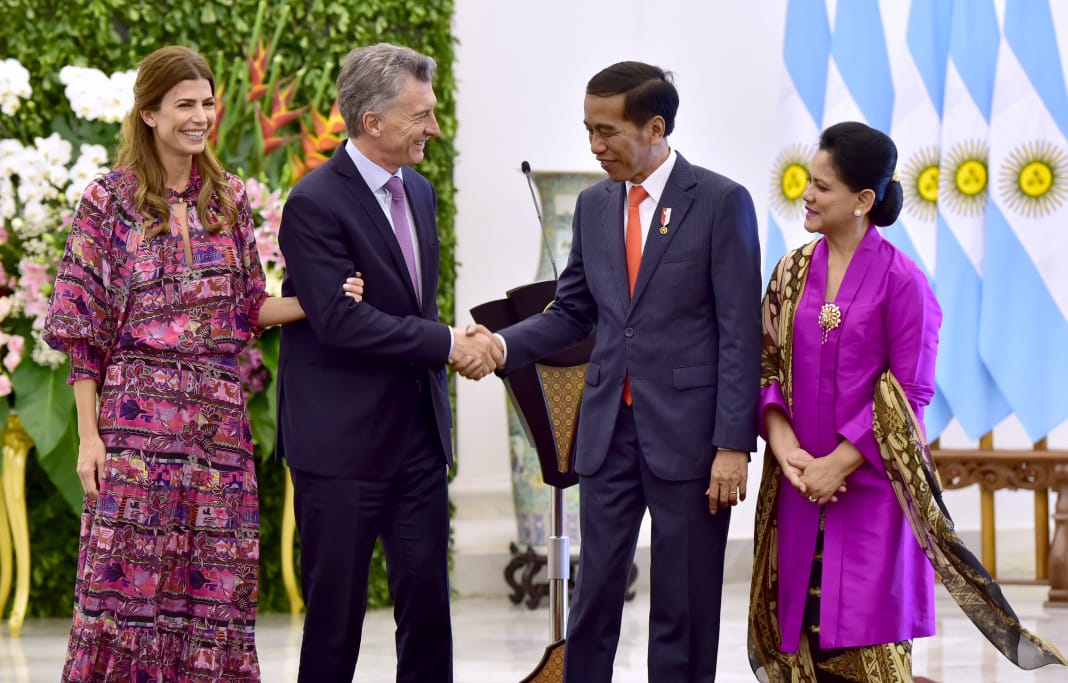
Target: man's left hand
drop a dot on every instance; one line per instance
(726, 486)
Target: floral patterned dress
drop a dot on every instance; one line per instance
(168, 559)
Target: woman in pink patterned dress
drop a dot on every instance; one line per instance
(159, 289)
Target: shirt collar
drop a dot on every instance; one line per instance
(374, 175)
(191, 191)
(657, 180)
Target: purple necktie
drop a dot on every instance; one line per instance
(399, 212)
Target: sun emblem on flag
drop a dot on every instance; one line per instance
(964, 182)
(789, 177)
(1032, 179)
(919, 180)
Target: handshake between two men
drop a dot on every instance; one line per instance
(476, 352)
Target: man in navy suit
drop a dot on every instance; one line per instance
(363, 407)
(668, 413)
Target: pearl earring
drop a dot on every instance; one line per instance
(858, 213)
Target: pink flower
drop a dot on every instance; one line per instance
(33, 275)
(5, 385)
(254, 190)
(267, 246)
(272, 217)
(258, 196)
(15, 347)
(254, 374)
(33, 280)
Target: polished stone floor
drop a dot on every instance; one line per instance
(497, 642)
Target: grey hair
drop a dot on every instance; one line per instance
(371, 79)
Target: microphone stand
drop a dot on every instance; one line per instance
(550, 429)
(558, 565)
(525, 167)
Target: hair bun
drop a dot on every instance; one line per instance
(886, 211)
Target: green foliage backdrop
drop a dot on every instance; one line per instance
(308, 40)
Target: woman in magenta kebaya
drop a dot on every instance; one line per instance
(841, 583)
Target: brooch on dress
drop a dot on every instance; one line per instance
(830, 319)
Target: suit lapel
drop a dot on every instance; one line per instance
(425, 227)
(678, 196)
(356, 186)
(611, 212)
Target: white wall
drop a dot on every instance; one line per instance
(522, 68)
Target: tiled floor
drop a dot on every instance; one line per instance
(499, 643)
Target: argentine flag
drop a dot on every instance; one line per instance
(964, 180)
(859, 86)
(806, 51)
(918, 36)
(1024, 320)
(884, 63)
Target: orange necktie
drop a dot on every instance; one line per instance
(633, 241)
(634, 234)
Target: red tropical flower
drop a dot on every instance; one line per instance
(281, 115)
(297, 167)
(257, 71)
(213, 134)
(331, 125)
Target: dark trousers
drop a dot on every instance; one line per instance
(686, 574)
(339, 521)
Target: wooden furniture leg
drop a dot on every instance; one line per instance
(1058, 553)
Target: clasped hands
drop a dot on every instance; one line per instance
(475, 351)
(821, 479)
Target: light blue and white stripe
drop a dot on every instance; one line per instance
(919, 74)
(806, 52)
(1024, 316)
(859, 84)
(972, 393)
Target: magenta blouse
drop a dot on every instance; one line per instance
(878, 587)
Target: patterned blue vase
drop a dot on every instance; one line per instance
(557, 193)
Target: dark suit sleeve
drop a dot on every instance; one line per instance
(736, 287)
(317, 262)
(568, 321)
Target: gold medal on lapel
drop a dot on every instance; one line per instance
(665, 218)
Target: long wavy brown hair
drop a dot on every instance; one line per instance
(156, 75)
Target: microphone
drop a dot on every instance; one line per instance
(525, 168)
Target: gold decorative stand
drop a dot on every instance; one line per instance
(289, 528)
(14, 524)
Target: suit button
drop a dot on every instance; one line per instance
(629, 332)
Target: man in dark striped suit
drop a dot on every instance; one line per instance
(665, 268)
